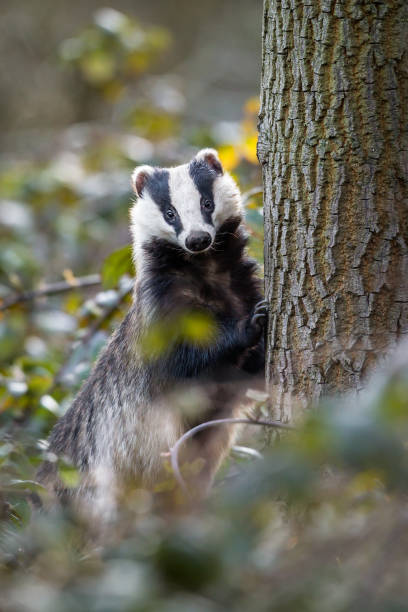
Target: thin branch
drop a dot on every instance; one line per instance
(106, 315)
(174, 451)
(52, 289)
(247, 195)
(96, 326)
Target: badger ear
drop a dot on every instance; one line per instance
(140, 177)
(210, 157)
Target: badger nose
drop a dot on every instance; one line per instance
(198, 241)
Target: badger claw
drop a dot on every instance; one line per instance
(256, 323)
(260, 315)
(260, 310)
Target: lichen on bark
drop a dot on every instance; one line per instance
(333, 144)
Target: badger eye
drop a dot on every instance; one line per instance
(207, 204)
(170, 214)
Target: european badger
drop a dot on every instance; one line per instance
(189, 251)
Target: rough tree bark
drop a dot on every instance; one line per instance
(333, 146)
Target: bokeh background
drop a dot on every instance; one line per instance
(88, 91)
(214, 57)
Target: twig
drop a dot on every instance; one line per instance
(191, 432)
(52, 289)
(245, 450)
(106, 315)
(247, 195)
(92, 331)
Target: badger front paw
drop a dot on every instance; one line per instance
(255, 324)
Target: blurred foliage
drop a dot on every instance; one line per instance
(112, 50)
(318, 524)
(196, 327)
(116, 265)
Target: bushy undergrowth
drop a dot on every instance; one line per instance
(320, 523)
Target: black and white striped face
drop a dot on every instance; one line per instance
(184, 205)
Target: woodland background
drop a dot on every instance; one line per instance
(319, 523)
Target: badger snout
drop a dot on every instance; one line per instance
(198, 241)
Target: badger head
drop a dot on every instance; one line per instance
(185, 205)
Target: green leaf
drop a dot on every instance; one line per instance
(116, 265)
(32, 485)
(69, 476)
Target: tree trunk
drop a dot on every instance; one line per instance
(333, 146)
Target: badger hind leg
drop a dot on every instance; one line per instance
(206, 450)
(210, 447)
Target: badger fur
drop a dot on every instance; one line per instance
(189, 252)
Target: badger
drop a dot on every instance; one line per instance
(191, 265)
